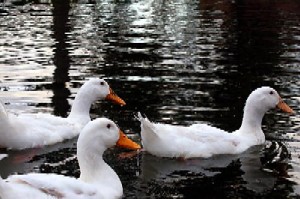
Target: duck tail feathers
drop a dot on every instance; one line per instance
(145, 123)
(139, 117)
(3, 156)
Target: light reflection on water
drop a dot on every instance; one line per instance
(176, 61)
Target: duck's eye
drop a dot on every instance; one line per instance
(271, 92)
(108, 126)
(101, 83)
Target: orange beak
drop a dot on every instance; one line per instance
(112, 96)
(284, 107)
(127, 143)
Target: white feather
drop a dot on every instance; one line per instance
(97, 180)
(35, 130)
(202, 140)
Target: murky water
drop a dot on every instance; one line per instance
(177, 61)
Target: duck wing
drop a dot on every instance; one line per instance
(34, 130)
(53, 186)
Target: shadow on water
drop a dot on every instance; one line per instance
(61, 57)
(226, 176)
(178, 62)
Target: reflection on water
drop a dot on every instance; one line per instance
(177, 62)
(61, 57)
(232, 176)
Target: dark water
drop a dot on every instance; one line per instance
(177, 61)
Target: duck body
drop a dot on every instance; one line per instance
(202, 140)
(97, 178)
(35, 130)
(179, 141)
(47, 186)
(29, 131)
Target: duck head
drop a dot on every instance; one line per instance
(266, 98)
(96, 88)
(102, 133)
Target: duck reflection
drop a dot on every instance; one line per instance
(61, 56)
(257, 172)
(275, 158)
(31, 160)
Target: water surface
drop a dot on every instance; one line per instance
(178, 62)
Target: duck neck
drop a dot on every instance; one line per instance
(252, 120)
(95, 170)
(81, 105)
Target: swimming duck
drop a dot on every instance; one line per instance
(97, 178)
(202, 140)
(36, 130)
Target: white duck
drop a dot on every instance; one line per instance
(35, 130)
(201, 140)
(97, 178)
